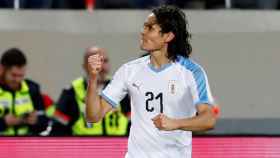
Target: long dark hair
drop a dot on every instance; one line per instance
(172, 19)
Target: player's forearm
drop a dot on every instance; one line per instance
(202, 122)
(93, 106)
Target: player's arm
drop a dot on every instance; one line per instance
(203, 101)
(204, 120)
(96, 107)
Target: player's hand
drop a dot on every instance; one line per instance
(95, 64)
(12, 120)
(162, 122)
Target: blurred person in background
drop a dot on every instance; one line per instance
(69, 116)
(21, 102)
(43, 4)
(255, 4)
(27, 4)
(142, 4)
(113, 4)
(215, 4)
(190, 4)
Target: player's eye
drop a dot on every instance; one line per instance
(149, 27)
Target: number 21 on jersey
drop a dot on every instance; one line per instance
(150, 96)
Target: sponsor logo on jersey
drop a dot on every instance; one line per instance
(136, 86)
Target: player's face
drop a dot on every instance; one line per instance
(151, 37)
(13, 76)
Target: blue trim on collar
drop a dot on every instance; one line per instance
(163, 67)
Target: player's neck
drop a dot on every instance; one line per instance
(159, 58)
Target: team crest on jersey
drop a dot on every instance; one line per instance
(172, 86)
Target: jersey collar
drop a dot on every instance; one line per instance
(162, 68)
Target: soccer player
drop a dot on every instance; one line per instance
(170, 94)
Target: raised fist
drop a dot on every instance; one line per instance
(95, 64)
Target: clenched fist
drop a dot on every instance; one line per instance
(95, 64)
(162, 122)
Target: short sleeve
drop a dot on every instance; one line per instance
(116, 90)
(200, 88)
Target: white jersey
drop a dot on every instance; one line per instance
(175, 90)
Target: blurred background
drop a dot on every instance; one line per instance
(236, 41)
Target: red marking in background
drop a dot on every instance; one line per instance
(216, 110)
(61, 116)
(89, 147)
(90, 4)
(47, 100)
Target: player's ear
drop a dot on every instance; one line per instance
(169, 37)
